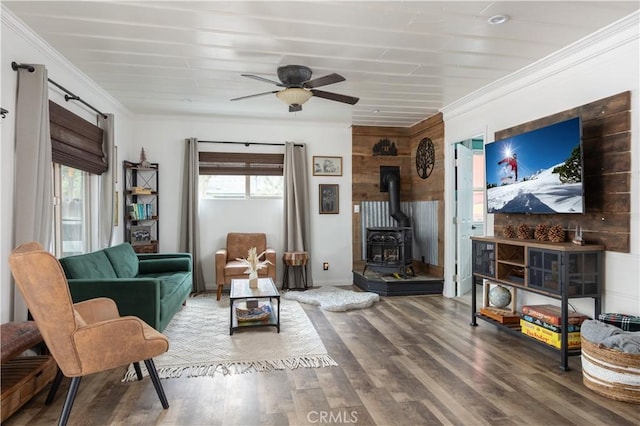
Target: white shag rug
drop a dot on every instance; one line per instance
(334, 299)
(200, 344)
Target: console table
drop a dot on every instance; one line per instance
(560, 271)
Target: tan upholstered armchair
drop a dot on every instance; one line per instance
(238, 244)
(86, 337)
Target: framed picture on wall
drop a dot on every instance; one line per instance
(329, 199)
(327, 166)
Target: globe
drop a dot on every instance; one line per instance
(499, 296)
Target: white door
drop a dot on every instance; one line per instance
(464, 217)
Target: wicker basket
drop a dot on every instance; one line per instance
(611, 373)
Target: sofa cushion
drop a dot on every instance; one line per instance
(123, 259)
(169, 282)
(90, 265)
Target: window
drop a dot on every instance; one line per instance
(240, 187)
(478, 186)
(240, 175)
(71, 213)
(77, 154)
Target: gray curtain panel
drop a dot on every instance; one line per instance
(297, 231)
(107, 184)
(33, 188)
(190, 225)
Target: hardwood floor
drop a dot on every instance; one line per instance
(409, 360)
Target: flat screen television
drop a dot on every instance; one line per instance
(537, 172)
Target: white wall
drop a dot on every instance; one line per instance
(602, 65)
(163, 140)
(19, 44)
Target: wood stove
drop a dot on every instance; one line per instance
(389, 249)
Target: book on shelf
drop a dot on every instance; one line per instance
(552, 314)
(140, 211)
(552, 327)
(139, 190)
(501, 315)
(549, 337)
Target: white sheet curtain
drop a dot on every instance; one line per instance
(190, 224)
(297, 233)
(107, 183)
(33, 187)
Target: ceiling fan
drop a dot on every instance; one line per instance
(298, 87)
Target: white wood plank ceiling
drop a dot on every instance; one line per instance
(404, 59)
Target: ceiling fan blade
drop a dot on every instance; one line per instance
(253, 96)
(323, 81)
(266, 80)
(295, 108)
(335, 97)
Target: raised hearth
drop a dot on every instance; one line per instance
(388, 285)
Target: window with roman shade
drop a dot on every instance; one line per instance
(75, 142)
(243, 164)
(234, 175)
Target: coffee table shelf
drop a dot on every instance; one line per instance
(266, 294)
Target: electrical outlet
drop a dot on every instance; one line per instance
(325, 266)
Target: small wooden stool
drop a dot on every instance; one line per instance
(297, 260)
(22, 377)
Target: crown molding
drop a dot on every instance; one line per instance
(15, 25)
(611, 37)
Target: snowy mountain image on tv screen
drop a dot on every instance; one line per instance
(536, 172)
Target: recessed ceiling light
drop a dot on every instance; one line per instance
(498, 19)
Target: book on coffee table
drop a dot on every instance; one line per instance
(254, 314)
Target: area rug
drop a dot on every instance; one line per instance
(200, 344)
(334, 299)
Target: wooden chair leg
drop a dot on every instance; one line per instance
(68, 403)
(219, 291)
(136, 366)
(153, 373)
(54, 387)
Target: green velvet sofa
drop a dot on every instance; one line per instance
(151, 286)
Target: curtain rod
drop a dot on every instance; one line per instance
(250, 143)
(70, 96)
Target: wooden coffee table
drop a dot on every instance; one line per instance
(265, 294)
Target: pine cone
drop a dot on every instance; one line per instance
(556, 234)
(542, 232)
(524, 232)
(509, 232)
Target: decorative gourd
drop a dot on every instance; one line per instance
(509, 232)
(556, 234)
(542, 232)
(524, 232)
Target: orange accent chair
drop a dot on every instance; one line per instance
(238, 244)
(86, 337)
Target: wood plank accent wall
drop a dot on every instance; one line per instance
(606, 143)
(366, 175)
(431, 188)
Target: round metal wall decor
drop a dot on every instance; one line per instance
(425, 158)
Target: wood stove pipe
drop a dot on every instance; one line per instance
(393, 180)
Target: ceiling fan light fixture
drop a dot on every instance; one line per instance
(294, 96)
